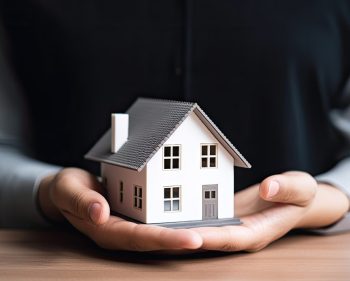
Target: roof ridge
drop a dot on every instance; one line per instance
(165, 100)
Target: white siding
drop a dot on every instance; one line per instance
(190, 135)
(114, 175)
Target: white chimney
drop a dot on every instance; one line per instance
(120, 130)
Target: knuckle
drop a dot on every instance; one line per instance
(228, 243)
(57, 186)
(78, 204)
(287, 195)
(313, 193)
(305, 190)
(309, 196)
(249, 245)
(229, 247)
(60, 181)
(61, 178)
(313, 188)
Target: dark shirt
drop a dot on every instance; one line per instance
(267, 72)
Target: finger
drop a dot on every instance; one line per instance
(256, 232)
(75, 193)
(297, 188)
(118, 234)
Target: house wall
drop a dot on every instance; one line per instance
(113, 175)
(190, 135)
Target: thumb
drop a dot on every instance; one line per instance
(296, 188)
(75, 193)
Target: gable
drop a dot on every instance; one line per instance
(190, 135)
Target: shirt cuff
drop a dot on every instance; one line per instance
(339, 176)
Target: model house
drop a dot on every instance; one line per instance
(165, 162)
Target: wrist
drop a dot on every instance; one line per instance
(329, 205)
(45, 203)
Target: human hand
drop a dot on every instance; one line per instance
(269, 210)
(76, 195)
(299, 202)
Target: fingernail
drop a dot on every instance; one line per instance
(273, 189)
(95, 212)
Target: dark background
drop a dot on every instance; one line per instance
(267, 72)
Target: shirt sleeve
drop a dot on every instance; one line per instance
(339, 175)
(19, 174)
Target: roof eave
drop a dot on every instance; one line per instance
(97, 159)
(232, 150)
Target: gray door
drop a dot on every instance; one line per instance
(210, 202)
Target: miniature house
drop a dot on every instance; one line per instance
(165, 162)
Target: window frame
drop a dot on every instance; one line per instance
(171, 199)
(208, 155)
(137, 197)
(171, 157)
(210, 193)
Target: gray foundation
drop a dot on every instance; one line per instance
(188, 224)
(200, 223)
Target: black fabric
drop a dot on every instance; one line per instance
(266, 72)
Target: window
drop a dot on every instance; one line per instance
(171, 157)
(209, 194)
(105, 186)
(121, 191)
(138, 197)
(171, 198)
(209, 155)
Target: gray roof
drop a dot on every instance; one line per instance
(151, 123)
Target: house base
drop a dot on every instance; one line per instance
(200, 223)
(187, 224)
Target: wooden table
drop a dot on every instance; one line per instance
(52, 255)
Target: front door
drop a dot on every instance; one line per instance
(210, 202)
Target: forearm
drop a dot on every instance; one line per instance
(328, 206)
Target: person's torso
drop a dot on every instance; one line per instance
(266, 72)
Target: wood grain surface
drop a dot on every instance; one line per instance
(66, 255)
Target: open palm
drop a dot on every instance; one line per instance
(268, 211)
